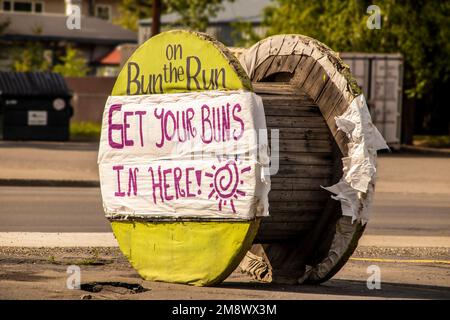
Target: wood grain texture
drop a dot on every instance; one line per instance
(304, 86)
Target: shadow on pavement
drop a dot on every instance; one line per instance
(356, 288)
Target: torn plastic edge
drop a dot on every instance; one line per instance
(356, 187)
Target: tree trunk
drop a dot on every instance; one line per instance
(156, 17)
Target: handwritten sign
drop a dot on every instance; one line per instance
(191, 154)
(181, 158)
(180, 64)
(180, 137)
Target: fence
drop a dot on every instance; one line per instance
(89, 97)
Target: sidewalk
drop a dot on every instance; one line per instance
(48, 163)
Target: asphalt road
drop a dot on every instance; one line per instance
(51, 209)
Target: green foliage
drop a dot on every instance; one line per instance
(244, 34)
(439, 141)
(420, 30)
(194, 14)
(72, 64)
(131, 11)
(32, 57)
(85, 131)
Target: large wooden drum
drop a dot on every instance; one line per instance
(304, 85)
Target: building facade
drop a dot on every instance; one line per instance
(103, 9)
(47, 22)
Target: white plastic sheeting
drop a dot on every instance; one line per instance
(184, 155)
(355, 188)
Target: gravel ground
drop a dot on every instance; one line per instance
(41, 273)
(113, 254)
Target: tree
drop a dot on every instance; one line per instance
(73, 64)
(193, 14)
(419, 29)
(32, 57)
(131, 11)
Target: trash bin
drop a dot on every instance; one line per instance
(34, 106)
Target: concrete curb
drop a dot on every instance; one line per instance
(107, 239)
(49, 183)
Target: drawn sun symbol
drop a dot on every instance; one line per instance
(225, 183)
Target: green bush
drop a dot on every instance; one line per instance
(85, 131)
(432, 141)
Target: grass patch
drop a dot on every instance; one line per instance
(94, 260)
(52, 260)
(85, 131)
(442, 141)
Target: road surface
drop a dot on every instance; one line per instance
(51, 209)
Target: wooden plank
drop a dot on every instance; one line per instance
(302, 71)
(331, 121)
(280, 88)
(303, 134)
(283, 230)
(315, 92)
(294, 206)
(317, 159)
(314, 75)
(262, 68)
(323, 146)
(275, 66)
(328, 98)
(282, 67)
(299, 111)
(342, 141)
(291, 63)
(339, 108)
(316, 87)
(296, 214)
(278, 122)
(284, 101)
(282, 183)
(304, 171)
(299, 195)
(264, 239)
(300, 99)
(291, 218)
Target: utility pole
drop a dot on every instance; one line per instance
(156, 17)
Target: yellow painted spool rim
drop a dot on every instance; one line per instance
(189, 252)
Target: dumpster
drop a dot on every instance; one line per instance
(34, 106)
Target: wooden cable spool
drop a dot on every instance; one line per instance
(304, 85)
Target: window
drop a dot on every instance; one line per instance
(38, 7)
(103, 11)
(23, 6)
(6, 6)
